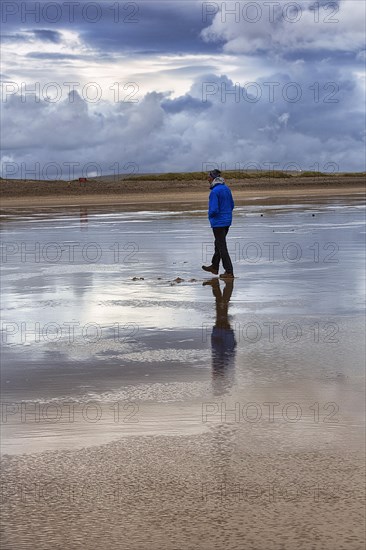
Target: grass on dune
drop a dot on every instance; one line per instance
(237, 175)
(189, 176)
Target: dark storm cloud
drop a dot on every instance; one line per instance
(318, 64)
(159, 27)
(136, 26)
(47, 35)
(56, 56)
(16, 37)
(184, 103)
(162, 134)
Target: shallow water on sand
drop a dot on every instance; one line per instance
(143, 412)
(90, 354)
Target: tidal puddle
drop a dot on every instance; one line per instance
(111, 329)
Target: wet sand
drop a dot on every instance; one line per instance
(212, 491)
(218, 415)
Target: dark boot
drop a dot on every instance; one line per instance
(227, 275)
(210, 269)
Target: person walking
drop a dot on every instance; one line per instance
(220, 214)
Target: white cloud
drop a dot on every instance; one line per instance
(283, 31)
(190, 132)
(169, 127)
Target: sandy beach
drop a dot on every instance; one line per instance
(180, 411)
(110, 192)
(192, 492)
(182, 266)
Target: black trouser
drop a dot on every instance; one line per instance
(221, 251)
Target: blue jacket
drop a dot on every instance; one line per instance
(220, 204)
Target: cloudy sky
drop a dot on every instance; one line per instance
(151, 86)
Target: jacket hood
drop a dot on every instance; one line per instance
(216, 181)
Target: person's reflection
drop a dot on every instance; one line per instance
(83, 219)
(223, 341)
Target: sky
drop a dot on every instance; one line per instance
(97, 88)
